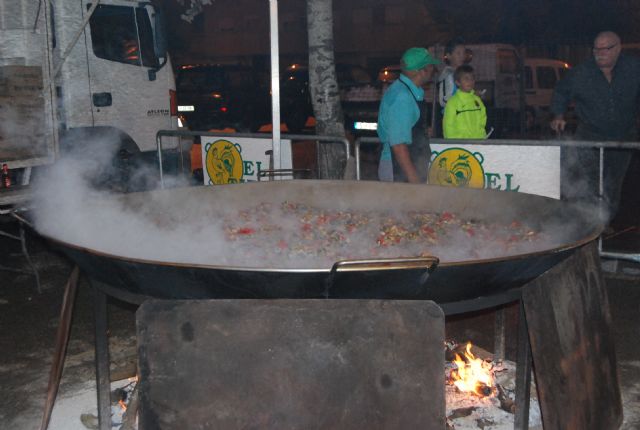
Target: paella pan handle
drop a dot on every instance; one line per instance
(428, 263)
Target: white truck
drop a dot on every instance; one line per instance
(73, 71)
(540, 78)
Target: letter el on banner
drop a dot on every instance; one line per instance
(526, 169)
(232, 160)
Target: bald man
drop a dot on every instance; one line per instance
(605, 91)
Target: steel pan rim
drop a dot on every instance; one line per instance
(550, 251)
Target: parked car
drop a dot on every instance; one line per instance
(238, 97)
(540, 78)
(359, 96)
(220, 97)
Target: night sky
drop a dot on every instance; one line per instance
(538, 21)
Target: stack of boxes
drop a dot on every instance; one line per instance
(22, 120)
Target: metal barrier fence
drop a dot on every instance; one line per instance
(602, 146)
(187, 133)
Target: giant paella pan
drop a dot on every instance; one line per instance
(317, 239)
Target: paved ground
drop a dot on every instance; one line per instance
(28, 322)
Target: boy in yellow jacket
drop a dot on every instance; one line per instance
(465, 116)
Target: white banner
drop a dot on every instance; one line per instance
(231, 160)
(526, 169)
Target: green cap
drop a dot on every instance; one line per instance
(417, 58)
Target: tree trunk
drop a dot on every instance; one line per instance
(325, 95)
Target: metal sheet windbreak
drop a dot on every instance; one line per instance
(304, 364)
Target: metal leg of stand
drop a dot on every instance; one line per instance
(103, 384)
(25, 252)
(523, 373)
(499, 334)
(23, 246)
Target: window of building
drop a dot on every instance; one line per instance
(394, 15)
(251, 22)
(363, 17)
(226, 23)
(292, 21)
(198, 23)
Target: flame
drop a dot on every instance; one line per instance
(123, 403)
(473, 375)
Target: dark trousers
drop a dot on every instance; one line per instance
(580, 173)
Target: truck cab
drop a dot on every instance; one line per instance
(82, 76)
(117, 75)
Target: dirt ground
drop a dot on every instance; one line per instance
(28, 323)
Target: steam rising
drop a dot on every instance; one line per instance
(192, 225)
(75, 205)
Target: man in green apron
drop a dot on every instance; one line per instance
(402, 121)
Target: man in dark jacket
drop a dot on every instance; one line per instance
(605, 91)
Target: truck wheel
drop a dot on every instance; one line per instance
(104, 156)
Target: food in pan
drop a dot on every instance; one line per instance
(298, 231)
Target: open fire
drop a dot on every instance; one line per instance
(480, 392)
(472, 375)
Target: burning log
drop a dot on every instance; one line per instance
(495, 411)
(472, 374)
(452, 348)
(129, 421)
(483, 390)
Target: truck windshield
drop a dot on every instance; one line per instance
(546, 77)
(123, 34)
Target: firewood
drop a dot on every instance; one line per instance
(506, 403)
(461, 412)
(453, 348)
(129, 416)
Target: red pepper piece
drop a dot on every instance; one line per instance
(446, 216)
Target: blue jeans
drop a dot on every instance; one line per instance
(580, 173)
